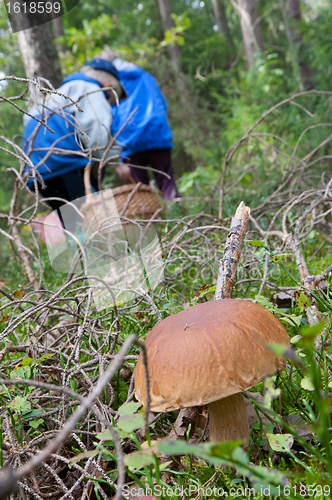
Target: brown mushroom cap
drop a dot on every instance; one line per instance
(208, 352)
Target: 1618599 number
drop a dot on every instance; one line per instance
(305, 491)
(33, 7)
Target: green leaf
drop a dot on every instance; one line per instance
(240, 455)
(139, 459)
(32, 413)
(278, 349)
(26, 362)
(129, 408)
(291, 319)
(258, 475)
(309, 333)
(165, 465)
(266, 480)
(296, 339)
(224, 449)
(105, 436)
(109, 457)
(284, 352)
(207, 450)
(302, 299)
(44, 358)
(263, 301)
(256, 243)
(36, 423)
(307, 384)
(280, 257)
(20, 404)
(123, 434)
(129, 423)
(177, 447)
(87, 454)
(280, 442)
(23, 372)
(270, 392)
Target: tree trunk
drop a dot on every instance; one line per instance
(296, 41)
(58, 31)
(220, 15)
(36, 44)
(174, 50)
(159, 20)
(251, 30)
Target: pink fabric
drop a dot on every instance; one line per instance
(147, 498)
(48, 234)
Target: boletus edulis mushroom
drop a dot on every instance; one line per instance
(207, 355)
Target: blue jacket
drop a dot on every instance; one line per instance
(149, 127)
(80, 132)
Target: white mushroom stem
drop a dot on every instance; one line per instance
(228, 419)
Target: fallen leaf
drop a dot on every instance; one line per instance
(203, 288)
(280, 442)
(306, 383)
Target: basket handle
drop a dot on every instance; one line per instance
(87, 180)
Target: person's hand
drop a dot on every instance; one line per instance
(123, 172)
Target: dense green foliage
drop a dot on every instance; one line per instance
(222, 103)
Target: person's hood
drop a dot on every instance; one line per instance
(82, 76)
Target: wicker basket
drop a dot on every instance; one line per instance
(111, 203)
(142, 205)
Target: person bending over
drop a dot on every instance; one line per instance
(78, 137)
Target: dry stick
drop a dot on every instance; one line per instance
(266, 269)
(110, 145)
(129, 198)
(41, 89)
(234, 148)
(228, 264)
(26, 113)
(16, 97)
(95, 410)
(8, 479)
(12, 348)
(308, 281)
(103, 161)
(16, 235)
(48, 302)
(227, 272)
(70, 424)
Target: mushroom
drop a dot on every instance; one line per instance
(207, 355)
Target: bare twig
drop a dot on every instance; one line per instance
(234, 242)
(70, 424)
